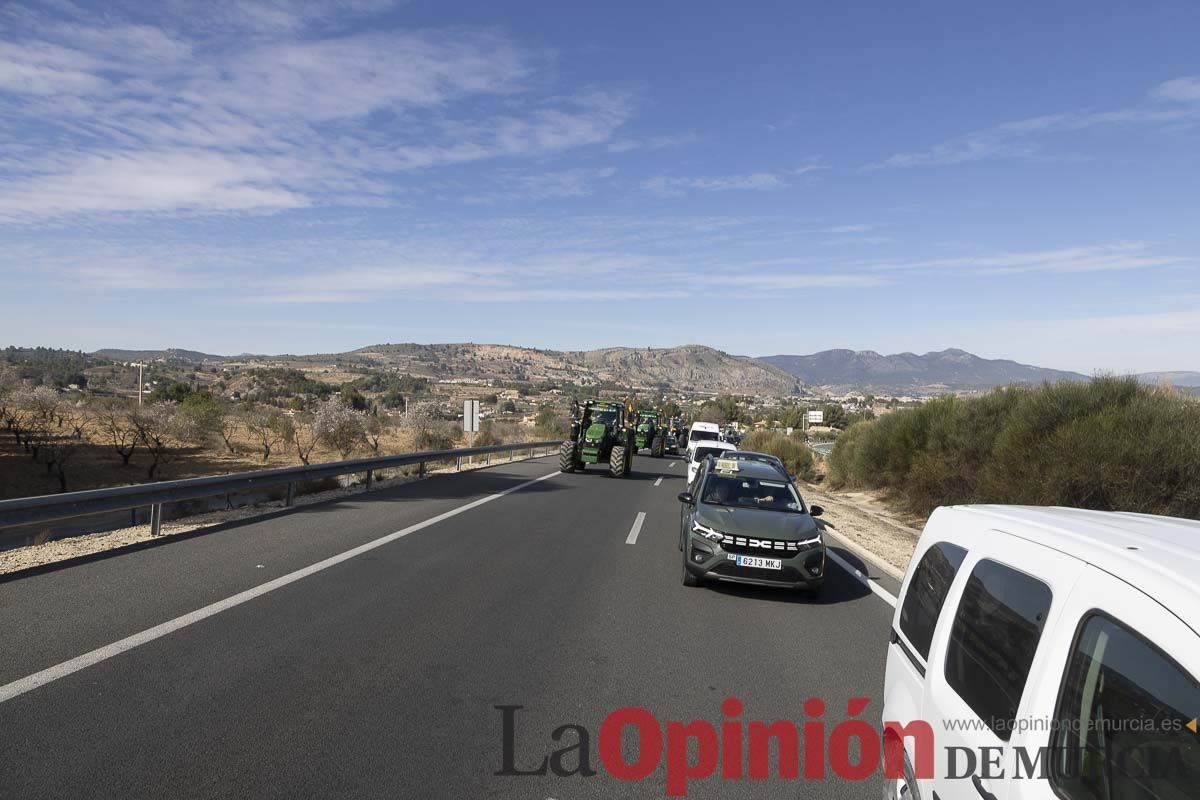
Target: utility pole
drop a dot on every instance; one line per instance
(141, 382)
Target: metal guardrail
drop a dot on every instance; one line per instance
(822, 448)
(46, 508)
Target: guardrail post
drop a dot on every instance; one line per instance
(291, 494)
(487, 459)
(458, 464)
(510, 453)
(156, 519)
(421, 470)
(370, 478)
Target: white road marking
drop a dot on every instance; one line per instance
(636, 529)
(863, 579)
(23, 685)
(672, 464)
(658, 482)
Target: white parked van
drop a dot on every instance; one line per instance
(1054, 653)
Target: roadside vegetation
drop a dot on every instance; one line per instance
(1111, 444)
(791, 450)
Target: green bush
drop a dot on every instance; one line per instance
(1109, 444)
(793, 452)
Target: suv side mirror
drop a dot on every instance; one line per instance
(815, 511)
(687, 498)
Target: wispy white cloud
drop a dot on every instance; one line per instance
(665, 186)
(204, 118)
(1181, 90)
(1173, 102)
(857, 228)
(651, 143)
(1091, 258)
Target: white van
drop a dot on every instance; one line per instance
(1054, 653)
(703, 432)
(701, 450)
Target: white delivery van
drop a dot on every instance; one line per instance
(1055, 654)
(703, 432)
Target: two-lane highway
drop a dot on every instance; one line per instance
(359, 648)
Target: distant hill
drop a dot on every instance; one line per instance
(692, 367)
(909, 373)
(1180, 379)
(170, 354)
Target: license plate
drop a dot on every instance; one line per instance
(759, 563)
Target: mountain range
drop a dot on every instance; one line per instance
(687, 367)
(941, 371)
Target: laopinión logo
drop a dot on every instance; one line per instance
(735, 748)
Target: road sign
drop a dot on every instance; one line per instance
(470, 416)
(816, 417)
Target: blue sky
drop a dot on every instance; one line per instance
(1016, 179)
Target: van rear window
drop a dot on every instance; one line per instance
(927, 593)
(993, 640)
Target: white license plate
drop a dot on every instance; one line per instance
(759, 563)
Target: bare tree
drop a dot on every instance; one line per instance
(39, 411)
(268, 427)
(59, 453)
(229, 426)
(376, 427)
(118, 429)
(304, 436)
(155, 425)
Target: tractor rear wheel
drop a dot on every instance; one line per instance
(618, 464)
(656, 447)
(566, 457)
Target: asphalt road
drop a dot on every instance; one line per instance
(378, 675)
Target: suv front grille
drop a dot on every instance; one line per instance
(748, 545)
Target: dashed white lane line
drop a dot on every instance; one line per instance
(636, 529)
(672, 464)
(863, 579)
(658, 482)
(23, 685)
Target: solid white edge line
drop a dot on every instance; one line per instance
(659, 481)
(636, 529)
(863, 579)
(23, 685)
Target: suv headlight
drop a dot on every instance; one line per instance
(707, 532)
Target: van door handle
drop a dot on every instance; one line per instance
(984, 793)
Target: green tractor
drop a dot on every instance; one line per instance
(600, 434)
(649, 433)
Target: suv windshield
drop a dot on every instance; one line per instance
(700, 436)
(731, 490)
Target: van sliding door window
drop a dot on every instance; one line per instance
(993, 640)
(1126, 721)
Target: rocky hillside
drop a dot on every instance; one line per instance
(692, 367)
(909, 373)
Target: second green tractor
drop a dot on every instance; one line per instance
(649, 433)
